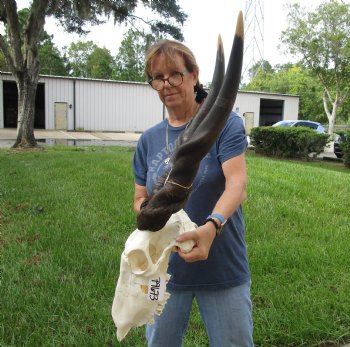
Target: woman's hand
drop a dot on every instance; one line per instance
(203, 237)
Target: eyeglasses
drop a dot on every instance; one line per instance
(175, 80)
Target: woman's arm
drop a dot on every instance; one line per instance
(234, 194)
(140, 195)
(235, 186)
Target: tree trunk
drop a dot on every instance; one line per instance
(331, 115)
(26, 87)
(21, 53)
(332, 120)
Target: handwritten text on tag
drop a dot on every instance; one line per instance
(156, 288)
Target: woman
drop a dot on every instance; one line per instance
(216, 272)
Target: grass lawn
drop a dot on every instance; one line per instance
(65, 213)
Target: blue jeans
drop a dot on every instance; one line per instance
(226, 313)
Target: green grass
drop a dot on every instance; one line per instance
(65, 213)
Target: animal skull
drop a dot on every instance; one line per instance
(141, 288)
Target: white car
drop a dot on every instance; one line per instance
(318, 127)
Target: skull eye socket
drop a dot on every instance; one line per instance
(138, 261)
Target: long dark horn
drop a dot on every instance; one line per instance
(191, 150)
(218, 77)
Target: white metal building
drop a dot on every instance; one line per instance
(261, 109)
(99, 105)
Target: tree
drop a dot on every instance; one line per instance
(51, 61)
(261, 66)
(20, 48)
(99, 64)
(78, 54)
(296, 79)
(322, 39)
(86, 59)
(131, 56)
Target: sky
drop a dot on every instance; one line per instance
(206, 20)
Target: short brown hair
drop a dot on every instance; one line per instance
(169, 48)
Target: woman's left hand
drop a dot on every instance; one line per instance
(203, 237)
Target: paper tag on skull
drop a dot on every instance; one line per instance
(156, 288)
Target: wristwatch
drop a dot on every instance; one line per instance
(218, 226)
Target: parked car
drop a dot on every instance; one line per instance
(337, 147)
(301, 123)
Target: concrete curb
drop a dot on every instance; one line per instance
(73, 138)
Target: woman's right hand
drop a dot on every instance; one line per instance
(203, 238)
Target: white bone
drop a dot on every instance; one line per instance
(141, 287)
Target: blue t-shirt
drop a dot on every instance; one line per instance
(227, 263)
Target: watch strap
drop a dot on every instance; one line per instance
(218, 216)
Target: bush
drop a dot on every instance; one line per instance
(288, 142)
(345, 146)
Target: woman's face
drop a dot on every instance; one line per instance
(174, 97)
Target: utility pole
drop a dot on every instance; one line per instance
(253, 37)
